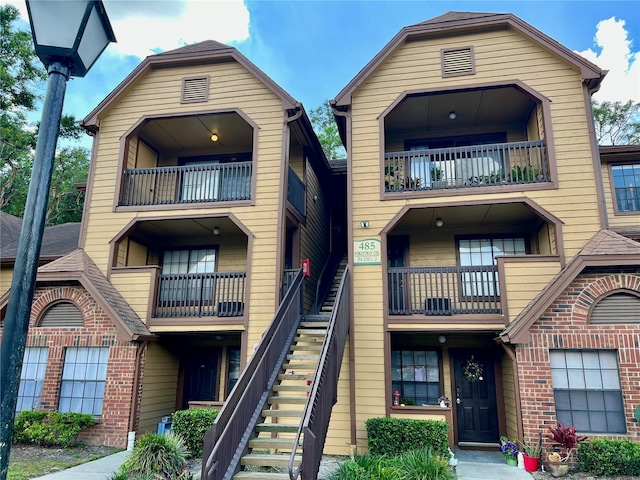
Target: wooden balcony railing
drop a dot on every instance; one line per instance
(201, 295)
(443, 290)
(287, 279)
(297, 192)
(187, 184)
(467, 167)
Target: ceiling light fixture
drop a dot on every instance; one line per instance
(216, 231)
(452, 115)
(439, 222)
(214, 137)
(442, 339)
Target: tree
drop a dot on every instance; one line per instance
(22, 77)
(327, 131)
(617, 123)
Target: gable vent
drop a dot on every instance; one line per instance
(457, 61)
(617, 308)
(63, 314)
(195, 89)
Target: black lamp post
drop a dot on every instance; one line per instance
(69, 36)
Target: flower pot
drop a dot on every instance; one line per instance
(558, 469)
(531, 463)
(513, 461)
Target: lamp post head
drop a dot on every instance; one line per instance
(72, 32)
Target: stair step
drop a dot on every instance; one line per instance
(271, 443)
(312, 331)
(261, 476)
(282, 400)
(315, 324)
(315, 318)
(301, 356)
(281, 413)
(308, 348)
(310, 339)
(263, 460)
(277, 427)
(301, 366)
(295, 376)
(291, 388)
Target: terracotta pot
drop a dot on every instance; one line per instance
(531, 463)
(560, 469)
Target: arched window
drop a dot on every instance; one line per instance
(62, 314)
(619, 307)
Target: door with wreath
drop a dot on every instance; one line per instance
(475, 396)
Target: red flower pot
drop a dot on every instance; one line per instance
(531, 463)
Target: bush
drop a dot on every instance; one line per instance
(610, 457)
(365, 467)
(423, 465)
(192, 425)
(50, 428)
(393, 436)
(156, 457)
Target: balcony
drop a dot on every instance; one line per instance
(221, 182)
(296, 192)
(443, 291)
(467, 167)
(201, 295)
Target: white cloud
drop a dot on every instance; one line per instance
(622, 83)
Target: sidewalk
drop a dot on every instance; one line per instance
(99, 469)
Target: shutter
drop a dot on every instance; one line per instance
(617, 308)
(63, 314)
(457, 62)
(195, 89)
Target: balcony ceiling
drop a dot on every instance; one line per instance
(470, 216)
(497, 106)
(194, 132)
(184, 231)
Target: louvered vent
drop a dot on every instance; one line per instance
(457, 61)
(63, 314)
(195, 89)
(617, 308)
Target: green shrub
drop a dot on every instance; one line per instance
(365, 467)
(156, 457)
(423, 465)
(610, 457)
(393, 436)
(192, 425)
(50, 428)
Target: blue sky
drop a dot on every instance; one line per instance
(314, 48)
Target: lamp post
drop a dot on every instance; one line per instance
(69, 36)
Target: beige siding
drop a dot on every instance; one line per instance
(338, 440)
(137, 297)
(158, 387)
(137, 254)
(6, 274)
(620, 220)
(523, 281)
(509, 393)
(147, 158)
(232, 253)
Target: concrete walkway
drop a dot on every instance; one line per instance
(472, 465)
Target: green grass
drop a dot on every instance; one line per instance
(23, 469)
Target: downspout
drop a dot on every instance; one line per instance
(352, 359)
(136, 384)
(516, 386)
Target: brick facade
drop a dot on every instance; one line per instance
(565, 325)
(98, 331)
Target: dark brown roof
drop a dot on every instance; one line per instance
(452, 23)
(612, 153)
(78, 266)
(200, 53)
(57, 240)
(605, 249)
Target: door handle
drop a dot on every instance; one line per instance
(458, 401)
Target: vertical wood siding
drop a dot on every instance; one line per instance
(159, 386)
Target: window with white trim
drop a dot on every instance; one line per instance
(34, 366)
(83, 379)
(586, 387)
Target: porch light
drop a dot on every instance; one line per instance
(439, 222)
(452, 115)
(364, 223)
(214, 137)
(216, 231)
(442, 339)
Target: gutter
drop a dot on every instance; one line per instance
(142, 347)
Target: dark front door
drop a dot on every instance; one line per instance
(200, 382)
(397, 249)
(475, 398)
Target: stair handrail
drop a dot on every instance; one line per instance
(227, 440)
(327, 273)
(324, 389)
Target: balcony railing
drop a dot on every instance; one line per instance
(201, 294)
(187, 184)
(467, 167)
(287, 279)
(297, 192)
(443, 290)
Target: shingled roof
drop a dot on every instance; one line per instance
(605, 249)
(78, 266)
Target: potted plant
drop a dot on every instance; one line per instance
(531, 454)
(510, 451)
(564, 441)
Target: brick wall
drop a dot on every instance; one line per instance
(564, 325)
(98, 331)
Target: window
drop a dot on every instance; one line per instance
(233, 367)
(34, 366)
(186, 279)
(481, 252)
(626, 182)
(83, 378)
(416, 375)
(586, 387)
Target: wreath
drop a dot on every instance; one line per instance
(472, 370)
